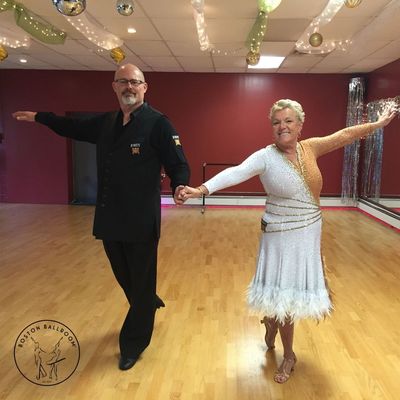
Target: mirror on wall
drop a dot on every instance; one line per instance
(379, 162)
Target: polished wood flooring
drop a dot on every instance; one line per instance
(206, 345)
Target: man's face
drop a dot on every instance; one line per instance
(129, 87)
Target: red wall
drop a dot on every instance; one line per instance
(385, 83)
(222, 118)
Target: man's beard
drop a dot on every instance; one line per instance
(129, 99)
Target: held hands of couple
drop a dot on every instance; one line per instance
(192, 193)
(182, 193)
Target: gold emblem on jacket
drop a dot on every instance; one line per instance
(176, 139)
(135, 149)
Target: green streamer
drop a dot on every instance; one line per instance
(6, 5)
(30, 23)
(257, 32)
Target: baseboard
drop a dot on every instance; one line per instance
(383, 215)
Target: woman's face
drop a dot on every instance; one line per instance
(286, 127)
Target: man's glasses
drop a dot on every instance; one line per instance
(133, 82)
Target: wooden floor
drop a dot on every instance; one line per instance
(206, 345)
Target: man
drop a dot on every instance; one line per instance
(132, 145)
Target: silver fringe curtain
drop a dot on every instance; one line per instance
(355, 108)
(373, 151)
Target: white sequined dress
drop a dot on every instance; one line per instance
(289, 281)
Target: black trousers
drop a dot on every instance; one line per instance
(135, 267)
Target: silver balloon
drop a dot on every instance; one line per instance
(125, 7)
(70, 8)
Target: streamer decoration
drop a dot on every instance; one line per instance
(33, 24)
(355, 108)
(258, 30)
(373, 150)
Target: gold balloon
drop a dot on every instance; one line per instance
(117, 54)
(352, 3)
(315, 39)
(252, 58)
(3, 53)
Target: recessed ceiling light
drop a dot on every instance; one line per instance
(131, 30)
(268, 62)
(23, 60)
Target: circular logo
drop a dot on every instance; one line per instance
(46, 352)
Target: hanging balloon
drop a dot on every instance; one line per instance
(252, 58)
(352, 3)
(70, 8)
(125, 7)
(315, 39)
(117, 54)
(3, 53)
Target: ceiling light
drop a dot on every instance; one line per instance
(131, 30)
(268, 62)
(23, 60)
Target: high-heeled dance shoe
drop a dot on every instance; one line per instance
(285, 369)
(268, 341)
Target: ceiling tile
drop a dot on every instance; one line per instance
(167, 40)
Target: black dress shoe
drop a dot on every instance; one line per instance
(126, 363)
(159, 302)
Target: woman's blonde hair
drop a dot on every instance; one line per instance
(287, 103)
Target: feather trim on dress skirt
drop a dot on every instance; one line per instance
(284, 304)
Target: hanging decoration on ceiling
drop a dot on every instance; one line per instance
(373, 150)
(198, 14)
(316, 39)
(252, 58)
(307, 44)
(10, 38)
(71, 8)
(352, 3)
(258, 30)
(33, 24)
(117, 54)
(201, 27)
(125, 7)
(94, 32)
(355, 108)
(3, 53)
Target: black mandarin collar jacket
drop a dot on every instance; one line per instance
(129, 162)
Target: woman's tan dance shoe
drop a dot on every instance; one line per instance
(286, 368)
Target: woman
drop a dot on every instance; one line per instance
(289, 283)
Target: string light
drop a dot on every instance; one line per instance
(198, 15)
(201, 27)
(32, 23)
(13, 39)
(95, 34)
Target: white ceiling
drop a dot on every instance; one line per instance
(166, 37)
